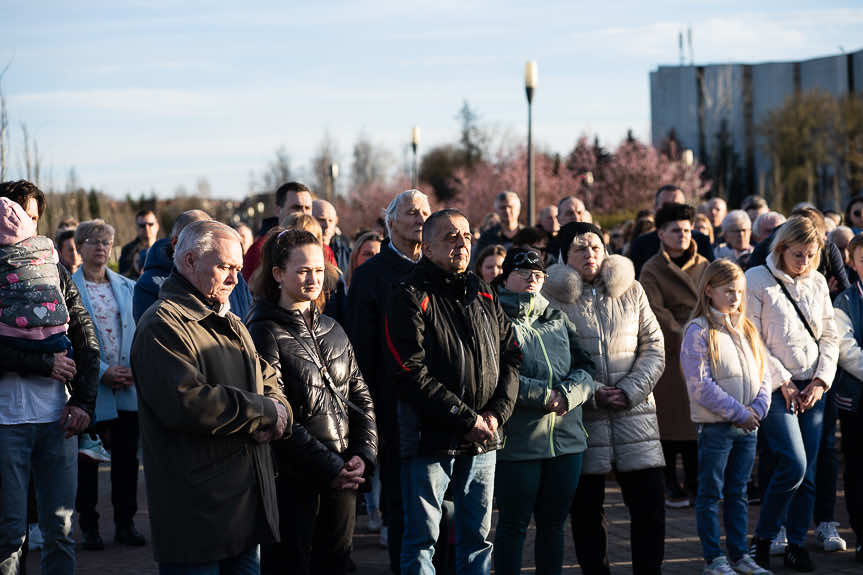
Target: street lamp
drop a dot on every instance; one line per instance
(415, 142)
(588, 182)
(530, 79)
(334, 174)
(688, 158)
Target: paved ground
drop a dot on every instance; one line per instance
(682, 548)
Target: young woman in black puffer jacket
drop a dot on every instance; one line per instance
(333, 444)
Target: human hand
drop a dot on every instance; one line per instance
(810, 395)
(612, 398)
(64, 367)
(789, 392)
(351, 475)
(752, 422)
(832, 284)
(480, 431)
(282, 419)
(74, 420)
(557, 403)
(118, 377)
(491, 421)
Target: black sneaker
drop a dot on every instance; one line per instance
(91, 540)
(759, 549)
(797, 558)
(128, 535)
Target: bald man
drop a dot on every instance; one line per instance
(325, 213)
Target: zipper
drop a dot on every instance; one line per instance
(603, 353)
(550, 375)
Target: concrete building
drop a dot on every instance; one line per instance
(720, 105)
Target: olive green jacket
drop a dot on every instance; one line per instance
(551, 359)
(202, 395)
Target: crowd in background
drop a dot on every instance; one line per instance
(432, 365)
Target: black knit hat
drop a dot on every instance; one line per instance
(521, 259)
(572, 230)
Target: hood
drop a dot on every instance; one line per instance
(15, 224)
(564, 284)
(160, 257)
(521, 306)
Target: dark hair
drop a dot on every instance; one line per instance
(673, 213)
(283, 191)
(855, 243)
(431, 224)
(62, 237)
(753, 202)
(488, 251)
(529, 236)
(858, 199)
(144, 212)
(275, 252)
(21, 191)
(666, 188)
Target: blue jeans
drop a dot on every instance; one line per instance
(725, 457)
(793, 442)
(246, 563)
(424, 482)
(39, 448)
(545, 489)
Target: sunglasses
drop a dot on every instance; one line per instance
(146, 224)
(526, 259)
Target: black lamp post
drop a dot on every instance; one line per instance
(530, 79)
(415, 142)
(334, 174)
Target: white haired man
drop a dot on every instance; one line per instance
(208, 406)
(371, 285)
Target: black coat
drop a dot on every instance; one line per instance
(325, 432)
(647, 245)
(85, 348)
(453, 355)
(368, 295)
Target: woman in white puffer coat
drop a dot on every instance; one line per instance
(789, 303)
(615, 325)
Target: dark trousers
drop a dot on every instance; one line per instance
(316, 524)
(644, 496)
(688, 451)
(120, 437)
(544, 489)
(391, 503)
(852, 449)
(828, 464)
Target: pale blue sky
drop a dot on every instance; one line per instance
(153, 95)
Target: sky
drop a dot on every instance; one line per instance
(141, 96)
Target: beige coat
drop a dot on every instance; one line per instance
(615, 325)
(201, 391)
(672, 292)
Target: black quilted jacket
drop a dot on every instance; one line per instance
(326, 432)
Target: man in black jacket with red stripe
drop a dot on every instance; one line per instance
(455, 366)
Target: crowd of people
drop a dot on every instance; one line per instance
(438, 369)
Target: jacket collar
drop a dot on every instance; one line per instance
(616, 275)
(779, 273)
(159, 256)
(462, 287)
(729, 320)
(264, 309)
(526, 306)
(690, 252)
(187, 298)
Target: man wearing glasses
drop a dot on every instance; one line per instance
(130, 257)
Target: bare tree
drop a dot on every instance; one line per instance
(327, 155)
(4, 128)
(369, 163)
(278, 171)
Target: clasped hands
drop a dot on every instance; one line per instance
(800, 401)
(484, 428)
(611, 398)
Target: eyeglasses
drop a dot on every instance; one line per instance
(528, 275)
(95, 242)
(856, 213)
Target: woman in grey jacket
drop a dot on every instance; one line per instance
(615, 325)
(540, 464)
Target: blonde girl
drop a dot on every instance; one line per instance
(723, 362)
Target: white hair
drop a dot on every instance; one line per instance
(199, 238)
(738, 217)
(766, 219)
(507, 195)
(392, 211)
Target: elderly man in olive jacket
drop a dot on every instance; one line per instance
(208, 406)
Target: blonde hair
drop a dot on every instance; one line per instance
(702, 219)
(797, 230)
(719, 273)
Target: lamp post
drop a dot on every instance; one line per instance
(334, 174)
(415, 142)
(688, 158)
(588, 182)
(530, 79)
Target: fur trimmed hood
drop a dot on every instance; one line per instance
(616, 275)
